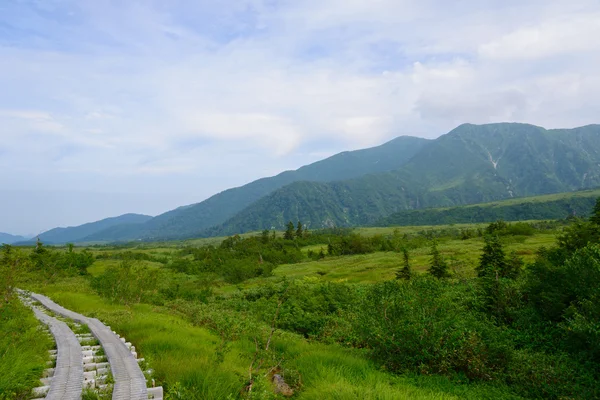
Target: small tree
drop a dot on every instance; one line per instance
(264, 236)
(492, 263)
(514, 265)
(289, 232)
(438, 267)
(405, 272)
(595, 217)
(300, 230)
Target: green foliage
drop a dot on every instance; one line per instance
(405, 272)
(553, 288)
(352, 243)
(595, 216)
(545, 207)
(577, 235)
(128, 283)
(289, 232)
(492, 263)
(23, 349)
(438, 266)
(300, 231)
(421, 325)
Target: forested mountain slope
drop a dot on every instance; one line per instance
(79, 233)
(190, 220)
(471, 164)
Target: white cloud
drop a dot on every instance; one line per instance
(570, 35)
(152, 95)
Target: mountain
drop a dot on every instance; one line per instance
(79, 233)
(190, 220)
(7, 238)
(471, 164)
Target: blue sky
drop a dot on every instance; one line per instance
(109, 107)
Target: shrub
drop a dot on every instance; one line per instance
(419, 325)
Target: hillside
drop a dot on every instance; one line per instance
(189, 220)
(471, 164)
(7, 238)
(546, 207)
(79, 233)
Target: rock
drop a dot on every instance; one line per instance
(281, 386)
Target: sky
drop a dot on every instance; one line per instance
(109, 107)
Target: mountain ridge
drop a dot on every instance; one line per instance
(80, 232)
(470, 164)
(188, 220)
(8, 238)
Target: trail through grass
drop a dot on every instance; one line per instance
(180, 352)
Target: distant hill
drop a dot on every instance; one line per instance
(545, 207)
(471, 164)
(190, 220)
(79, 233)
(7, 238)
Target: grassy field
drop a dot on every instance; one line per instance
(188, 356)
(180, 352)
(462, 255)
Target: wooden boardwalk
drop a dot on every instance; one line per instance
(129, 380)
(67, 381)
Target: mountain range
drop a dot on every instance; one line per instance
(470, 164)
(7, 238)
(79, 233)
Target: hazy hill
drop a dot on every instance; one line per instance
(471, 164)
(7, 238)
(79, 233)
(189, 220)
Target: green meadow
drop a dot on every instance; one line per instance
(218, 318)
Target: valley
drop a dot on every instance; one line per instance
(385, 273)
(219, 318)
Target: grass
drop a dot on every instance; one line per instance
(23, 350)
(180, 352)
(184, 355)
(462, 255)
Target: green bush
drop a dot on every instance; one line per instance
(421, 325)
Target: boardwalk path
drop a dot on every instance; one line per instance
(67, 381)
(130, 383)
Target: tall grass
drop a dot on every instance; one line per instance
(23, 350)
(183, 358)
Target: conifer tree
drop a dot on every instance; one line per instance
(289, 232)
(264, 236)
(405, 272)
(514, 265)
(300, 230)
(438, 267)
(492, 263)
(595, 217)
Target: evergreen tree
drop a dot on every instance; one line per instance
(492, 263)
(514, 265)
(595, 217)
(405, 272)
(264, 236)
(321, 254)
(300, 230)
(289, 232)
(438, 267)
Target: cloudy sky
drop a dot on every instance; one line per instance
(109, 107)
